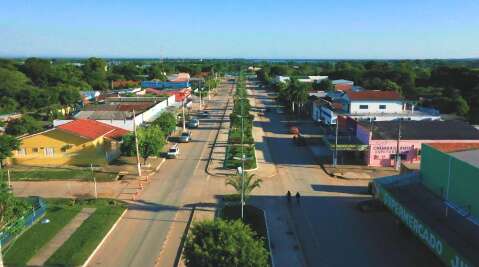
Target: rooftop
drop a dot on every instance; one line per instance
(340, 81)
(91, 129)
(457, 230)
(469, 156)
(373, 95)
(422, 130)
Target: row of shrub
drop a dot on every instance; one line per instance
(241, 126)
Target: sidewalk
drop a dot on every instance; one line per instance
(122, 189)
(48, 249)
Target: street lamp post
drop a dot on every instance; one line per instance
(183, 113)
(243, 159)
(335, 158)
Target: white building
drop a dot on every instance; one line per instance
(118, 111)
(368, 105)
(305, 79)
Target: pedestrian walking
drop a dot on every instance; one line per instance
(288, 196)
(298, 196)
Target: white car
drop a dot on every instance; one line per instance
(185, 137)
(173, 152)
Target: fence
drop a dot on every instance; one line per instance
(11, 231)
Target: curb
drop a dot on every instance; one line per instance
(104, 239)
(269, 238)
(159, 165)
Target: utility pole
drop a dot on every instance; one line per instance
(201, 93)
(183, 112)
(8, 177)
(398, 154)
(94, 180)
(1, 256)
(335, 159)
(242, 163)
(136, 145)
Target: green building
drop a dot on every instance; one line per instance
(440, 203)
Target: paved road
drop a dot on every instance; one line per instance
(329, 229)
(139, 237)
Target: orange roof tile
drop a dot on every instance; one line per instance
(91, 129)
(454, 147)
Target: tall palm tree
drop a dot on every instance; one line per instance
(250, 183)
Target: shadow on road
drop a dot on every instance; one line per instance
(363, 190)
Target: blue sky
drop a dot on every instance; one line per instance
(241, 28)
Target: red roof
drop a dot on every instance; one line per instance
(454, 147)
(374, 95)
(91, 129)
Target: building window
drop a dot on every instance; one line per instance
(363, 106)
(22, 151)
(64, 149)
(35, 150)
(49, 151)
(382, 106)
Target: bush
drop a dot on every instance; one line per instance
(222, 243)
(235, 151)
(24, 125)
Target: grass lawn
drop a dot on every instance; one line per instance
(81, 244)
(235, 151)
(60, 212)
(42, 174)
(30, 242)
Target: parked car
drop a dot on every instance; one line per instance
(185, 137)
(203, 114)
(173, 152)
(193, 123)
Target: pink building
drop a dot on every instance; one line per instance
(382, 138)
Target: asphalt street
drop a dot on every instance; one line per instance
(139, 237)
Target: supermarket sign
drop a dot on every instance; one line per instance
(445, 252)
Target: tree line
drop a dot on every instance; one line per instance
(450, 86)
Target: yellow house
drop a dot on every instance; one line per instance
(79, 142)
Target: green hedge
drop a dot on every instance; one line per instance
(235, 151)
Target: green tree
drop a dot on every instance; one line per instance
(11, 208)
(8, 144)
(11, 81)
(250, 183)
(151, 141)
(8, 105)
(25, 124)
(222, 243)
(324, 85)
(462, 108)
(38, 70)
(166, 122)
(95, 73)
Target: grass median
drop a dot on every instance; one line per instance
(234, 151)
(44, 174)
(79, 246)
(30, 242)
(85, 239)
